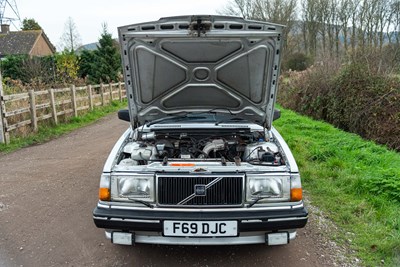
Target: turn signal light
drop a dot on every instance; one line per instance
(104, 194)
(296, 194)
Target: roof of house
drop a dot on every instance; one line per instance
(21, 42)
(90, 47)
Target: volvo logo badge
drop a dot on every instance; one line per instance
(200, 190)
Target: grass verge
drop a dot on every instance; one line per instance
(354, 181)
(48, 132)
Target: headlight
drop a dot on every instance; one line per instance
(135, 187)
(269, 187)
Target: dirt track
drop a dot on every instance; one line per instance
(48, 192)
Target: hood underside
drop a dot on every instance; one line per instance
(199, 64)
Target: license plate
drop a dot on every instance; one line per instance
(200, 228)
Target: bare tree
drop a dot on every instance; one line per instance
(278, 11)
(275, 11)
(354, 6)
(322, 16)
(70, 39)
(344, 11)
(311, 25)
(395, 19)
(372, 15)
(391, 19)
(361, 23)
(241, 8)
(382, 19)
(326, 26)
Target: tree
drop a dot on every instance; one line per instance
(30, 24)
(395, 6)
(86, 63)
(311, 25)
(275, 11)
(344, 15)
(107, 64)
(242, 8)
(280, 12)
(70, 39)
(354, 9)
(67, 66)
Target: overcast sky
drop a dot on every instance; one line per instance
(89, 15)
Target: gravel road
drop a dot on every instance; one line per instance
(48, 192)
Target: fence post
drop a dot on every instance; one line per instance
(53, 106)
(2, 125)
(111, 92)
(90, 97)
(32, 103)
(120, 91)
(73, 100)
(102, 93)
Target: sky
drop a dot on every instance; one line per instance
(89, 15)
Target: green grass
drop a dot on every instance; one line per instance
(48, 132)
(354, 181)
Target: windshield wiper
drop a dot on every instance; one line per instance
(141, 202)
(229, 120)
(256, 200)
(174, 117)
(214, 110)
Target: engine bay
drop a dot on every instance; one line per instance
(224, 145)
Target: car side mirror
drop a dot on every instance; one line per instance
(277, 114)
(123, 114)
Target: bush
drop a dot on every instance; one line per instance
(67, 67)
(358, 97)
(366, 103)
(385, 61)
(11, 66)
(33, 70)
(391, 55)
(306, 91)
(296, 62)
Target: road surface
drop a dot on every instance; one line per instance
(48, 192)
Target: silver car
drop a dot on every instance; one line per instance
(201, 163)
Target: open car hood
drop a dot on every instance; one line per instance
(201, 63)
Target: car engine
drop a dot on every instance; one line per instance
(228, 146)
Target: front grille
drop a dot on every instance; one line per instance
(180, 190)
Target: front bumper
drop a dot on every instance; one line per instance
(253, 223)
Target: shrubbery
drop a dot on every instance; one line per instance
(296, 62)
(11, 66)
(33, 71)
(359, 97)
(40, 72)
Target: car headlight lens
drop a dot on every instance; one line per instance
(270, 188)
(135, 187)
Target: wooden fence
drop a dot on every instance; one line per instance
(28, 110)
